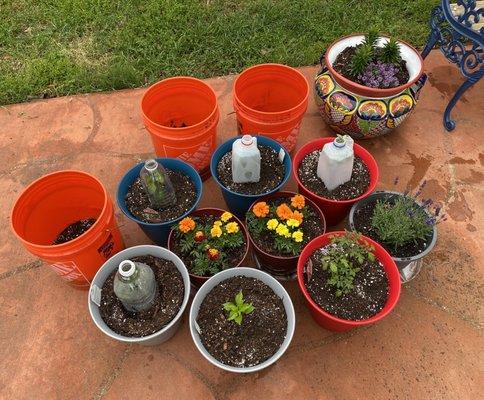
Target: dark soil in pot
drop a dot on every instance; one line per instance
(362, 222)
(74, 230)
(355, 187)
(235, 256)
(171, 291)
(368, 297)
(261, 332)
(343, 62)
(271, 173)
(311, 227)
(139, 205)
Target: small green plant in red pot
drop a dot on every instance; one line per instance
(334, 203)
(348, 280)
(279, 227)
(208, 241)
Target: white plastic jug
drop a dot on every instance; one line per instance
(245, 160)
(335, 164)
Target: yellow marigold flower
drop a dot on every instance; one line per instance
(282, 230)
(218, 223)
(297, 236)
(272, 224)
(186, 225)
(226, 216)
(261, 209)
(216, 231)
(298, 201)
(292, 222)
(232, 227)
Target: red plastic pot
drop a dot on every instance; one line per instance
(198, 280)
(50, 204)
(334, 210)
(329, 321)
(278, 264)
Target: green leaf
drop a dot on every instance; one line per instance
(239, 299)
(238, 319)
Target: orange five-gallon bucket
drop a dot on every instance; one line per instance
(181, 114)
(53, 202)
(271, 99)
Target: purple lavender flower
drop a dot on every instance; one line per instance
(379, 75)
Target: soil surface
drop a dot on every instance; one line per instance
(139, 205)
(362, 221)
(311, 226)
(171, 291)
(271, 173)
(355, 187)
(235, 256)
(368, 297)
(261, 332)
(343, 61)
(74, 230)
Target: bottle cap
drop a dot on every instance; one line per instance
(151, 164)
(247, 140)
(340, 141)
(126, 268)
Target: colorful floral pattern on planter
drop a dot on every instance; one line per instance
(359, 116)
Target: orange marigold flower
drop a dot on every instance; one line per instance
(199, 236)
(298, 201)
(298, 216)
(261, 209)
(284, 212)
(186, 225)
(213, 254)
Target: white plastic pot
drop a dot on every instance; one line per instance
(252, 273)
(110, 265)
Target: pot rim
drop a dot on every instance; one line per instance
(359, 89)
(210, 211)
(380, 315)
(276, 195)
(323, 141)
(381, 193)
(266, 279)
(127, 213)
(142, 251)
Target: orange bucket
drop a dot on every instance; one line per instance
(181, 114)
(51, 203)
(271, 99)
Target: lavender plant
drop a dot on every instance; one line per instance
(379, 75)
(399, 220)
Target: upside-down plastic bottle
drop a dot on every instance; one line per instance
(157, 185)
(335, 164)
(245, 160)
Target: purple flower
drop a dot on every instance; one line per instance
(379, 75)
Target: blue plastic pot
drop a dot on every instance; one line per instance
(157, 232)
(239, 203)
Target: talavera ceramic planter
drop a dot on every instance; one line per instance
(361, 111)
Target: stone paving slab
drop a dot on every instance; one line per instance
(430, 347)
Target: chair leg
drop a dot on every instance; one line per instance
(449, 124)
(430, 43)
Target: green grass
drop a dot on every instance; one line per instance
(57, 47)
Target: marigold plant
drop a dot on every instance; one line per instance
(207, 244)
(281, 224)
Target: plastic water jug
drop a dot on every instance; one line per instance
(135, 286)
(245, 160)
(157, 185)
(335, 164)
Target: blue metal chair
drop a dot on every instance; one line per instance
(459, 42)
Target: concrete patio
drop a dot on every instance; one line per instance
(430, 347)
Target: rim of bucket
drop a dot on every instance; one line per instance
(128, 214)
(210, 211)
(380, 315)
(297, 162)
(273, 113)
(213, 169)
(158, 84)
(365, 90)
(284, 193)
(84, 237)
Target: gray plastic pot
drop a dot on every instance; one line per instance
(409, 267)
(269, 281)
(110, 265)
